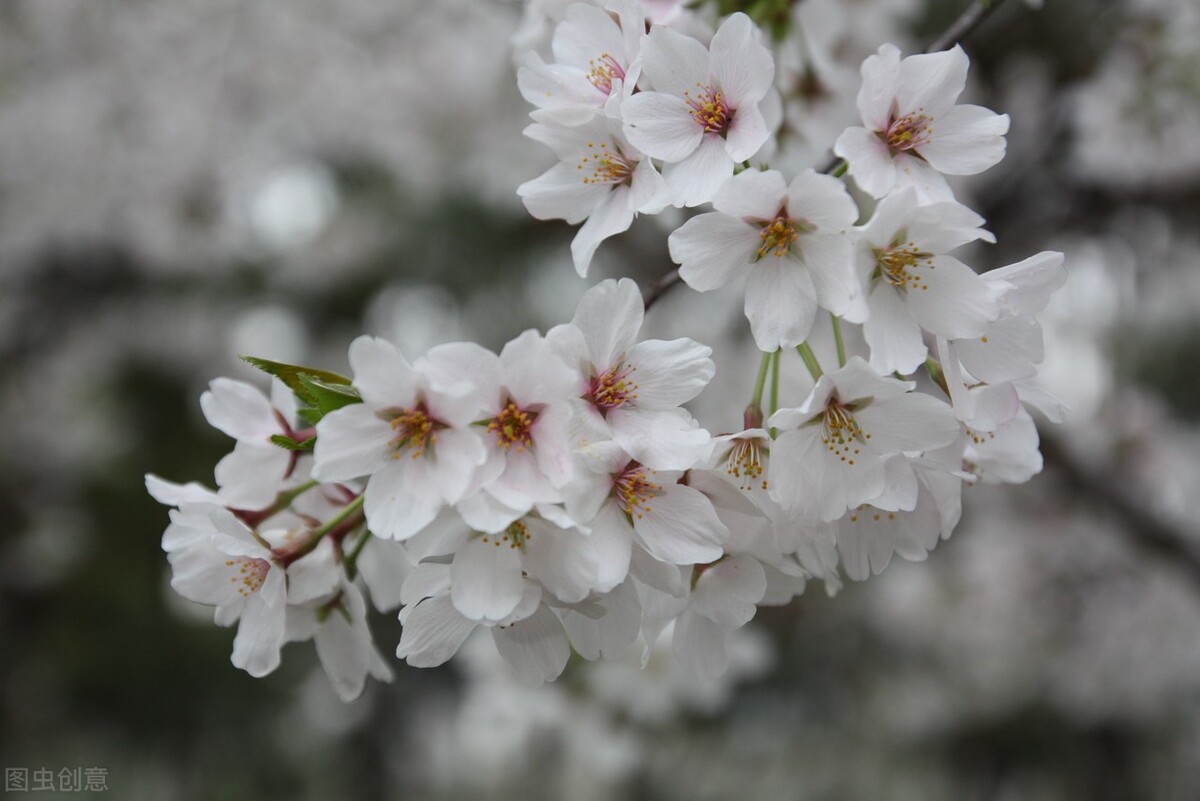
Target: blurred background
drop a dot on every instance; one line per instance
(182, 181)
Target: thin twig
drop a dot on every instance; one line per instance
(670, 279)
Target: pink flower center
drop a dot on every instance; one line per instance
(603, 71)
(513, 426)
(709, 109)
(908, 132)
(612, 389)
(249, 574)
(415, 431)
(633, 490)
(604, 165)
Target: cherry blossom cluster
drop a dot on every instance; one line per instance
(558, 495)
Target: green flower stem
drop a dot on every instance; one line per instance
(351, 561)
(292, 553)
(810, 360)
(255, 518)
(837, 338)
(934, 368)
(775, 380)
(761, 382)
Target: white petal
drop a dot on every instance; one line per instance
(351, 442)
(741, 64)
(609, 316)
(752, 195)
(399, 501)
(747, 133)
(673, 63)
(611, 635)
(878, 91)
(536, 647)
(822, 201)
(680, 527)
(611, 216)
(911, 422)
(712, 249)
(727, 593)
(831, 267)
(966, 140)
(1008, 351)
(662, 439)
(661, 126)
(701, 645)
(892, 334)
(251, 476)
(261, 628)
(696, 178)
(433, 632)
(381, 373)
(239, 410)
(671, 373)
(560, 194)
(952, 301)
(564, 561)
(780, 303)
(485, 578)
(870, 162)
(930, 82)
(612, 539)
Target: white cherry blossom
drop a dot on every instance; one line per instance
(914, 132)
(703, 115)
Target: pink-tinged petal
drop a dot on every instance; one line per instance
(611, 635)
(878, 90)
(892, 334)
(669, 373)
(966, 140)
(536, 647)
(586, 33)
(251, 476)
(1007, 352)
(381, 373)
(564, 91)
(701, 646)
(1031, 282)
(612, 541)
(781, 303)
(911, 422)
(485, 578)
(648, 192)
(609, 316)
(662, 439)
(728, 593)
(752, 195)
(560, 194)
(821, 201)
(610, 217)
(929, 184)
(680, 527)
(952, 301)
(870, 161)
(239, 410)
(698, 177)
(400, 501)
(929, 83)
(564, 561)
(552, 444)
(433, 632)
(713, 249)
(261, 629)
(830, 263)
(747, 133)
(661, 126)
(672, 62)
(351, 442)
(857, 381)
(742, 66)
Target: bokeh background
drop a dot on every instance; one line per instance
(182, 181)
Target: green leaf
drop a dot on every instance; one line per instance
(290, 374)
(322, 397)
(293, 445)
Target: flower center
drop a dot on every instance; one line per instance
(709, 109)
(250, 574)
(515, 536)
(603, 70)
(415, 431)
(612, 388)
(633, 490)
(841, 433)
(513, 426)
(899, 265)
(910, 131)
(745, 462)
(604, 166)
(778, 236)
